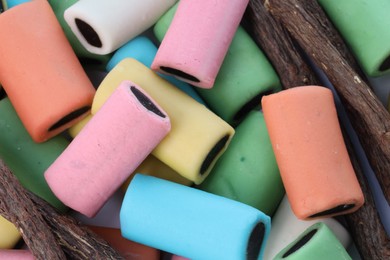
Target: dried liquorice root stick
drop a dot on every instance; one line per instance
(364, 224)
(276, 43)
(369, 117)
(16, 206)
(77, 241)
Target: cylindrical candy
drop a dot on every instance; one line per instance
(198, 38)
(247, 171)
(190, 222)
(364, 25)
(286, 227)
(244, 77)
(198, 137)
(27, 159)
(103, 26)
(310, 151)
(40, 72)
(316, 242)
(108, 149)
(9, 234)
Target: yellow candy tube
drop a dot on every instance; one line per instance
(198, 137)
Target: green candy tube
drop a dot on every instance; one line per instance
(247, 172)
(59, 7)
(317, 242)
(244, 77)
(26, 159)
(364, 25)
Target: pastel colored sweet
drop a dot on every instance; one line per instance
(198, 137)
(143, 49)
(154, 167)
(286, 227)
(76, 128)
(247, 171)
(27, 159)
(364, 25)
(9, 234)
(126, 248)
(103, 26)
(198, 39)
(108, 149)
(51, 90)
(190, 222)
(316, 242)
(59, 7)
(244, 77)
(16, 254)
(310, 151)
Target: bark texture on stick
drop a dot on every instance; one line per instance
(47, 233)
(77, 241)
(16, 206)
(369, 117)
(364, 224)
(277, 44)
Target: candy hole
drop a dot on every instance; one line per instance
(385, 64)
(146, 102)
(334, 210)
(213, 154)
(88, 33)
(250, 105)
(255, 241)
(179, 73)
(301, 242)
(69, 117)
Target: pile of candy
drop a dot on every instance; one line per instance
(96, 104)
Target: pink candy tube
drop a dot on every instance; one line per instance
(108, 149)
(197, 40)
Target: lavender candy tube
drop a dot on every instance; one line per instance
(190, 222)
(103, 26)
(198, 39)
(108, 149)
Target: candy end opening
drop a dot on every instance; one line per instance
(69, 117)
(88, 33)
(300, 243)
(179, 73)
(146, 102)
(335, 210)
(255, 241)
(213, 154)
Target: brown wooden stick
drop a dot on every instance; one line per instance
(77, 241)
(278, 46)
(365, 225)
(369, 117)
(48, 234)
(17, 207)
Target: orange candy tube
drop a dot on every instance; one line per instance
(310, 151)
(40, 72)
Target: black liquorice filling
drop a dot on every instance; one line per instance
(213, 153)
(2, 9)
(146, 102)
(385, 64)
(88, 33)
(301, 242)
(179, 73)
(337, 209)
(255, 241)
(69, 117)
(250, 105)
